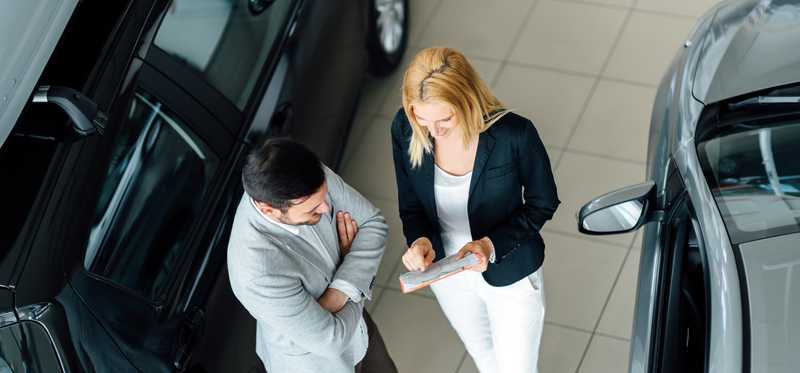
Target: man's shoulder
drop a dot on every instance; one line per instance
(248, 233)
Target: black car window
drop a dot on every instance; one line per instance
(25, 347)
(755, 179)
(225, 41)
(152, 193)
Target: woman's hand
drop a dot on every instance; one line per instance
(420, 255)
(482, 250)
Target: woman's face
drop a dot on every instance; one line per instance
(438, 117)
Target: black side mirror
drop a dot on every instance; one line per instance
(620, 211)
(83, 112)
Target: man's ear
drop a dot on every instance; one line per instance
(265, 208)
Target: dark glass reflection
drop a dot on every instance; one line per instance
(26, 348)
(152, 191)
(755, 179)
(224, 41)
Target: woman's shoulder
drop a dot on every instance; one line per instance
(401, 127)
(511, 125)
(400, 122)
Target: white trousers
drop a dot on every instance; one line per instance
(501, 327)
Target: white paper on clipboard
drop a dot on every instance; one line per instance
(411, 281)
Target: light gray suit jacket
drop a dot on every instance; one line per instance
(278, 277)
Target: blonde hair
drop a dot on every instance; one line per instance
(444, 74)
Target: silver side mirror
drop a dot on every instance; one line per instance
(620, 211)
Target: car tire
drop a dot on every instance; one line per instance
(387, 37)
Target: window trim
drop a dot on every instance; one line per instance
(196, 86)
(680, 205)
(186, 107)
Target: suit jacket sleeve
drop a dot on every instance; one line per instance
(412, 213)
(281, 301)
(359, 266)
(541, 199)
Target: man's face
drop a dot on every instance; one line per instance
(303, 211)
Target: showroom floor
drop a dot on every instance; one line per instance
(586, 73)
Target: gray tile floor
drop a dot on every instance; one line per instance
(586, 72)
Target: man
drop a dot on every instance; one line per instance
(302, 258)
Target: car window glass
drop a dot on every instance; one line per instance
(225, 41)
(755, 179)
(26, 348)
(152, 193)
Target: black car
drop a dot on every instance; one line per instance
(122, 130)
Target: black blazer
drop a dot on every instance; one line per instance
(510, 157)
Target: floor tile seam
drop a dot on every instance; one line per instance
(565, 326)
(613, 48)
(434, 11)
(602, 69)
(584, 237)
(514, 42)
(598, 4)
(611, 336)
(604, 156)
(628, 82)
(635, 8)
(463, 359)
(603, 310)
(666, 14)
(536, 66)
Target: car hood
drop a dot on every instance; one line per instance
(773, 288)
(29, 32)
(750, 45)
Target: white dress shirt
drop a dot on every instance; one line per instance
(452, 196)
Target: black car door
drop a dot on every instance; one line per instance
(327, 67)
(156, 196)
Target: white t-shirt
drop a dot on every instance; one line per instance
(452, 195)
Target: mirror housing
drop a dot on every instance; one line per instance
(623, 210)
(86, 118)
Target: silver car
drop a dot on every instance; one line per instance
(717, 291)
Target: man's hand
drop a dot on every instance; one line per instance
(348, 229)
(420, 255)
(333, 300)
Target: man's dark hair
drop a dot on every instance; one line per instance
(281, 170)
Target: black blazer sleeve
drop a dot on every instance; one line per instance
(541, 199)
(412, 213)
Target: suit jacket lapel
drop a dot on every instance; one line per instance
(297, 244)
(327, 230)
(485, 147)
(426, 170)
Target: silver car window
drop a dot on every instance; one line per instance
(755, 179)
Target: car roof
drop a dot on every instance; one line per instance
(29, 32)
(751, 45)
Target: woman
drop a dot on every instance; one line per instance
(462, 160)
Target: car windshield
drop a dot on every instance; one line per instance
(755, 179)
